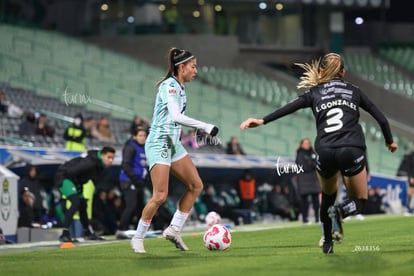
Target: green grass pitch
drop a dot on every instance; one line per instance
(378, 245)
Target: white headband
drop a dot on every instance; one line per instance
(183, 61)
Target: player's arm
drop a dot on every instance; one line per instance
(371, 108)
(289, 108)
(178, 117)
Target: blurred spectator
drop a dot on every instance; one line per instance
(101, 217)
(307, 181)
(279, 204)
(138, 122)
(91, 132)
(28, 125)
(233, 147)
(26, 211)
(104, 130)
(75, 134)
(247, 190)
(374, 204)
(217, 204)
(410, 175)
(9, 109)
(403, 167)
(190, 139)
(43, 128)
(30, 181)
(134, 172)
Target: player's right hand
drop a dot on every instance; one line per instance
(392, 147)
(250, 123)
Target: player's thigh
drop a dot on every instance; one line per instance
(356, 185)
(185, 170)
(160, 174)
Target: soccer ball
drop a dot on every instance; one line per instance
(213, 218)
(217, 237)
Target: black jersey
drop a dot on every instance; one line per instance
(335, 105)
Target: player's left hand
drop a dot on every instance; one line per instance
(250, 123)
(392, 147)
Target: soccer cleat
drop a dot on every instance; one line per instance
(174, 237)
(137, 245)
(337, 230)
(327, 247)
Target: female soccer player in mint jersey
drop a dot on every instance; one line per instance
(166, 154)
(340, 142)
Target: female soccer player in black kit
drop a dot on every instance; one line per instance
(340, 142)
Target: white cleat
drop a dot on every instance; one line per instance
(137, 245)
(174, 237)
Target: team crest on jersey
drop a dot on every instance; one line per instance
(164, 153)
(172, 91)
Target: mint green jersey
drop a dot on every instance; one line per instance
(163, 127)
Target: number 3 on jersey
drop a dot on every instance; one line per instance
(334, 120)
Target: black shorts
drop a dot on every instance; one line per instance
(348, 160)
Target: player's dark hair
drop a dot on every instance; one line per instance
(135, 130)
(175, 58)
(107, 149)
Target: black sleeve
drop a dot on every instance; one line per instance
(127, 156)
(291, 107)
(82, 166)
(369, 107)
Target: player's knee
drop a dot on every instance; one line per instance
(159, 198)
(195, 187)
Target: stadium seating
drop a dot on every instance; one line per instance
(373, 69)
(401, 55)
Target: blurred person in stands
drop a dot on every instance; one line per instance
(410, 175)
(279, 203)
(234, 147)
(75, 134)
(138, 122)
(307, 180)
(165, 152)
(91, 132)
(247, 190)
(190, 139)
(340, 142)
(134, 171)
(374, 202)
(43, 128)
(105, 133)
(28, 125)
(31, 182)
(26, 209)
(8, 108)
(70, 178)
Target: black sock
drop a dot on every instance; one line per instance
(351, 207)
(327, 201)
